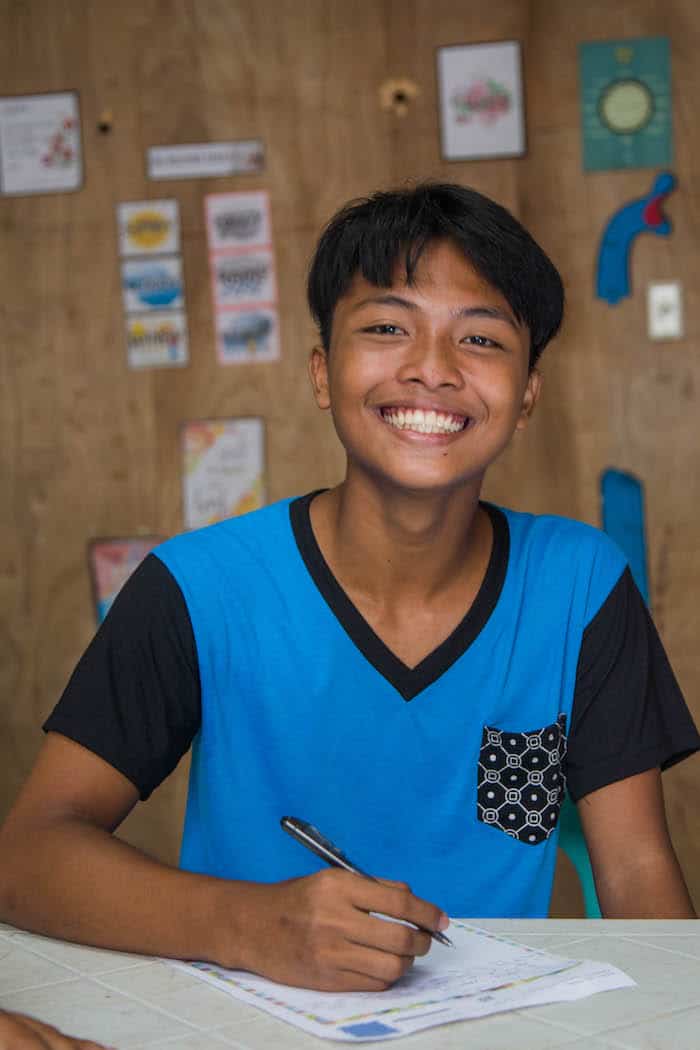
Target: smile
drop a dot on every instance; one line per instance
(424, 421)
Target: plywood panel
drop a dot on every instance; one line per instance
(89, 448)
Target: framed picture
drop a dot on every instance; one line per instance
(480, 95)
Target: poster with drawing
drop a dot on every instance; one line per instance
(40, 149)
(223, 469)
(481, 101)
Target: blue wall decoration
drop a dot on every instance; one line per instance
(639, 216)
(622, 511)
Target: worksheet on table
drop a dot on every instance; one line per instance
(482, 974)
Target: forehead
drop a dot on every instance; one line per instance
(443, 274)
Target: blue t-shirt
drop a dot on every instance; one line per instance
(448, 776)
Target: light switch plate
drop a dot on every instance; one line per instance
(664, 310)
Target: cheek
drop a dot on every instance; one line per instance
(500, 390)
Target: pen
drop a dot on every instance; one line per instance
(312, 838)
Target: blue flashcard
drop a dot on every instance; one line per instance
(622, 507)
(639, 216)
(626, 103)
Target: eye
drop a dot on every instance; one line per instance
(483, 341)
(383, 329)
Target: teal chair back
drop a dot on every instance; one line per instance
(622, 511)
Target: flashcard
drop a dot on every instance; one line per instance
(244, 278)
(247, 335)
(152, 284)
(157, 339)
(237, 220)
(149, 227)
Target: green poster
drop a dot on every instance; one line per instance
(626, 103)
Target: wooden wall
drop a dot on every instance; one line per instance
(88, 448)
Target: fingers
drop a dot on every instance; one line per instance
(394, 899)
(389, 935)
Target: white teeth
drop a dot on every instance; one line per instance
(429, 422)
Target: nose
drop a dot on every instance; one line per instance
(432, 361)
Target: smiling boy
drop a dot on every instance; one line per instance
(411, 669)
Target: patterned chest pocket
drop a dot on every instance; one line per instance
(522, 780)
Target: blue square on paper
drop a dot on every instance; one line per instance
(363, 1029)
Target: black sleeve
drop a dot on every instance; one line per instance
(628, 714)
(134, 698)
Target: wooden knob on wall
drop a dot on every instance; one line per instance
(397, 95)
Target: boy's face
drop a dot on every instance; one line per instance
(426, 384)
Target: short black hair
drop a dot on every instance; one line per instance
(372, 235)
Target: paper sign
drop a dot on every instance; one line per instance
(40, 148)
(158, 338)
(152, 284)
(224, 462)
(111, 563)
(208, 159)
(149, 227)
(626, 103)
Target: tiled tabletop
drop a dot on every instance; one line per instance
(130, 1001)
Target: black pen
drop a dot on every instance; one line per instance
(312, 838)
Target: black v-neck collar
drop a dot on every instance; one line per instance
(408, 681)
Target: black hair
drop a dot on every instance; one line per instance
(374, 234)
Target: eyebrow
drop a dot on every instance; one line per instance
(491, 312)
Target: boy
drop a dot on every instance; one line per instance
(410, 669)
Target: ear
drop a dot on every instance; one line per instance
(318, 374)
(530, 398)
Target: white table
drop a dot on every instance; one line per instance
(130, 1001)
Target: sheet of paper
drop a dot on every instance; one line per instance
(483, 974)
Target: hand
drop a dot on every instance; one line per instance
(18, 1032)
(317, 932)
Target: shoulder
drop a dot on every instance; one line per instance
(566, 553)
(232, 538)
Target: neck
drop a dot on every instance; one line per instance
(400, 543)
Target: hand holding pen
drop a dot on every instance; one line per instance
(311, 837)
(325, 931)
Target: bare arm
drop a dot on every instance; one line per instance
(20, 1032)
(636, 872)
(65, 875)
